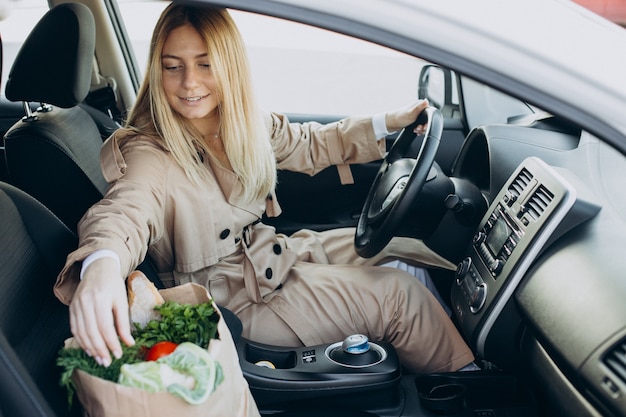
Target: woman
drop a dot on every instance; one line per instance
(191, 175)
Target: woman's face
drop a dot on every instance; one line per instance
(188, 79)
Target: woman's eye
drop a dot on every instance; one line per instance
(172, 67)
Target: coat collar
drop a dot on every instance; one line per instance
(232, 189)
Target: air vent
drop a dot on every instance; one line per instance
(539, 202)
(615, 360)
(520, 182)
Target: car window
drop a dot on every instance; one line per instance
(296, 68)
(301, 69)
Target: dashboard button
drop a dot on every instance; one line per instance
(479, 238)
(462, 269)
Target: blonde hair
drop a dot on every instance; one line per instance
(242, 128)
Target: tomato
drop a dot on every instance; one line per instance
(159, 350)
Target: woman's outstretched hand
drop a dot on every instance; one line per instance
(400, 118)
(99, 316)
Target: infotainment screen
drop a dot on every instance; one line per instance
(497, 236)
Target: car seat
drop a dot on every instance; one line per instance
(53, 153)
(34, 244)
(33, 323)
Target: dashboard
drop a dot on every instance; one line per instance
(541, 288)
(536, 206)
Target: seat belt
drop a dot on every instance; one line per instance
(103, 99)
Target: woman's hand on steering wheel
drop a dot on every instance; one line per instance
(401, 118)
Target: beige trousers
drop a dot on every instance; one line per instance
(323, 302)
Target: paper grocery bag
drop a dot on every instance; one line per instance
(232, 398)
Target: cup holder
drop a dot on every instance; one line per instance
(308, 372)
(273, 359)
(373, 356)
(446, 399)
(462, 393)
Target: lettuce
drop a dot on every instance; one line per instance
(189, 373)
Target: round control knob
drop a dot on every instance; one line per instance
(355, 344)
(496, 266)
(479, 238)
(356, 352)
(462, 269)
(478, 298)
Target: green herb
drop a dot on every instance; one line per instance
(71, 359)
(179, 323)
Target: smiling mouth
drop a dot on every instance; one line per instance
(192, 99)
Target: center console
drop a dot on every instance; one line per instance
(306, 374)
(535, 206)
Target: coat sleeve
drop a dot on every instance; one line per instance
(127, 219)
(311, 147)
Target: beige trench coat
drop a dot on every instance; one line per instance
(206, 234)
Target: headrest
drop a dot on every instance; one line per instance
(54, 64)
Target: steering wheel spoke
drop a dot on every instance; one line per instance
(393, 180)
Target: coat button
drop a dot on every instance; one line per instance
(269, 273)
(224, 234)
(277, 249)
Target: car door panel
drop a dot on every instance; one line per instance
(321, 202)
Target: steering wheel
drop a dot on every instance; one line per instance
(397, 184)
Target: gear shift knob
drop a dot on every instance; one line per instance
(356, 351)
(355, 344)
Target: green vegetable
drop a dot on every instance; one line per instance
(189, 373)
(71, 359)
(144, 375)
(179, 323)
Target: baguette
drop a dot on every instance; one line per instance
(143, 297)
